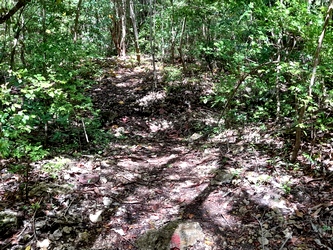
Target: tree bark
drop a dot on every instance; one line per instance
(76, 22)
(4, 45)
(152, 39)
(16, 41)
(180, 49)
(173, 34)
(123, 28)
(43, 14)
(135, 31)
(12, 11)
(118, 30)
(277, 83)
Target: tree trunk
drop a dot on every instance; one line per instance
(123, 28)
(44, 36)
(118, 30)
(277, 83)
(152, 40)
(135, 31)
(173, 35)
(76, 22)
(19, 28)
(13, 51)
(20, 4)
(180, 49)
(4, 46)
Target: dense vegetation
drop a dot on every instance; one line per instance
(261, 54)
(267, 64)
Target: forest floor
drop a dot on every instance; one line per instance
(169, 180)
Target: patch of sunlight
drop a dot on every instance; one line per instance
(160, 125)
(56, 165)
(151, 98)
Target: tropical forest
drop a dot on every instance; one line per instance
(166, 124)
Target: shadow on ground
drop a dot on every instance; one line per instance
(168, 181)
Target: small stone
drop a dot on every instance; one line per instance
(67, 176)
(107, 201)
(39, 224)
(43, 244)
(96, 217)
(57, 234)
(67, 230)
(263, 240)
(84, 236)
(103, 180)
(119, 231)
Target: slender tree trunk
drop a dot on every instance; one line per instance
(22, 54)
(76, 22)
(163, 45)
(301, 115)
(180, 49)
(19, 27)
(44, 35)
(123, 28)
(13, 51)
(4, 45)
(173, 35)
(152, 39)
(22, 40)
(277, 83)
(135, 31)
(20, 4)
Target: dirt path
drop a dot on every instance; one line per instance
(167, 181)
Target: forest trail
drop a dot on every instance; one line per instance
(168, 180)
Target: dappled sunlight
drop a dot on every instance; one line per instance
(166, 125)
(151, 98)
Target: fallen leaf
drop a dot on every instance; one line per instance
(96, 190)
(209, 243)
(96, 217)
(119, 231)
(263, 240)
(299, 214)
(190, 216)
(43, 244)
(315, 214)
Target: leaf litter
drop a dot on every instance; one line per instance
(168, 181)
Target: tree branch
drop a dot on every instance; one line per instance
(12, 11)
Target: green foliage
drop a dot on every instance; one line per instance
(286, 186)
(266, 47)
(273, 45)
(38, 110)
(35, 206)
(172, 74)
(56, 165)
